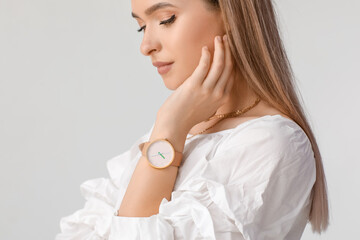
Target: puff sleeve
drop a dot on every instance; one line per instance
(92, 222)
(267, 190)
(252, 184)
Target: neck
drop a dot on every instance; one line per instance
(241, 96)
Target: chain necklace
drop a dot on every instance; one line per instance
(228, 115)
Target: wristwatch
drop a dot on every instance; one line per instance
(160, 153)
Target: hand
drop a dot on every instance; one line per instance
(199, 97)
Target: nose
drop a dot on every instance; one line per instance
(149, 44)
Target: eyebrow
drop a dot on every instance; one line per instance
(154, 8)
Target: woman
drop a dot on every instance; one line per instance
(231, 154)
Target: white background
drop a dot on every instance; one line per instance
(75, 91)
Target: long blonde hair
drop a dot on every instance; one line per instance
(260, 57)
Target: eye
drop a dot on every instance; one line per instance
(140, 29)
(165, 22)
(168, 21)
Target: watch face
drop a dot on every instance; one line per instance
(160, 154)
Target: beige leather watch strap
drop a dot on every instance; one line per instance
(177, 159)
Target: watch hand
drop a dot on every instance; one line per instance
(161, 155)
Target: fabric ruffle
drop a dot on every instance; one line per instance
(252, 182)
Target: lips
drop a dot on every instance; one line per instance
(163, 67)
(160, 64)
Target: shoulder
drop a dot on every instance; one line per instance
(272, 135)
(261, 152)
(277, 126)
(261, 148)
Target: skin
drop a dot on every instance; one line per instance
(205, 83)
(181, 42)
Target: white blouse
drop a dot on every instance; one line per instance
(250, 182)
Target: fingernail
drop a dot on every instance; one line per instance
(225, 37)
(218, 38)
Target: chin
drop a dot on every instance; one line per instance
(172, 83)
(173, 80)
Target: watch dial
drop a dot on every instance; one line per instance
(160, 154)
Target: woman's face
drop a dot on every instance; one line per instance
(180, 41)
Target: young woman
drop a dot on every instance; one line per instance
(231, 154)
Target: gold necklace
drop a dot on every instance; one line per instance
(228, 115)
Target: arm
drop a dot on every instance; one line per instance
(194, 101)
(148, 186)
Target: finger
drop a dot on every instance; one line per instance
(217, 65)
(202, 69)
(226, 74)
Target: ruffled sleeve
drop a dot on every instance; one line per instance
(255, 185)
(93, 221)
(252, 184)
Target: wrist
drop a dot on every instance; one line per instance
(176, 137)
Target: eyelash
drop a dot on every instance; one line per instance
(168, 21)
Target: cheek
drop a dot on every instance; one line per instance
(187, 44)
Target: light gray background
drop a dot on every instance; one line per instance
(75, 91)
